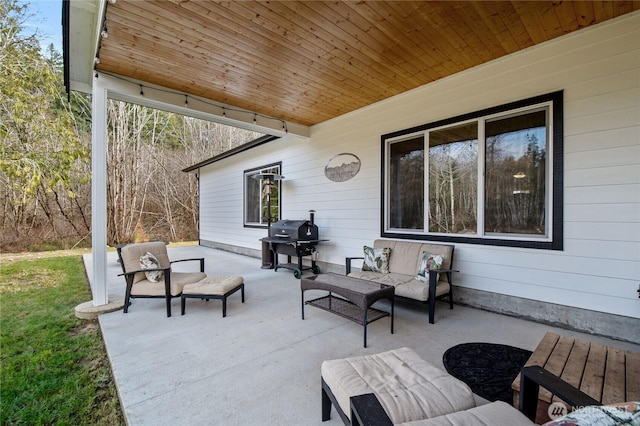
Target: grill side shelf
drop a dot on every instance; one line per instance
(346, 309)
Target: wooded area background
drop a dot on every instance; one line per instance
(45, 156)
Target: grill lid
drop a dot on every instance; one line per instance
(294, 230)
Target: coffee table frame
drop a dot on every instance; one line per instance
(355, 299)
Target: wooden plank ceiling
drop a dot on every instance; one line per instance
(309, 61)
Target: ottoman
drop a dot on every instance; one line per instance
(408, 387)
(213, 287)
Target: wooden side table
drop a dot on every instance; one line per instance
(605, 373)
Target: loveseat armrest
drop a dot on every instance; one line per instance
(366, 410)
(532, 377)
(348, 263)
(201, 259)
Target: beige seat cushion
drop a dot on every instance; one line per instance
(408, 387)
(495, 413)
(131, 257)
(378, 277)
(405, 256)
(178, 281)
(419, 290)
(216, 285)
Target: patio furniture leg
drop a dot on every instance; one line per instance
(433, 279)
(168, 306)
(127, 296)
(326, 406)
(364, 322)
(450, 290)
(392, 304)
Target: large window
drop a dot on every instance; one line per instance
(490, 177)
(259, 194)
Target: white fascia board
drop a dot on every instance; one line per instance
(85, 20)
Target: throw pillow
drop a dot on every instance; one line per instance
(376, 259)
(428, 261)
(149, 261)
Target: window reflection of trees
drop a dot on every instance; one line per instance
(515, 189)
(453, 187)
(406, 184)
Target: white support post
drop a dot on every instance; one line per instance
(99, 192)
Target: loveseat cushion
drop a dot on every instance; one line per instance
(406, 254)
(406, 285)
(495, 413)
(419, 290)
(389, 279)
(408, 387)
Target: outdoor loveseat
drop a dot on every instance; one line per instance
(418, 271)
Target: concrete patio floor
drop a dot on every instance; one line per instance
(261, 364)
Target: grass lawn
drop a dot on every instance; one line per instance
(53, 366)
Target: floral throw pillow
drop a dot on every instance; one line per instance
(428, 261)
(376, 259)
(149, 261)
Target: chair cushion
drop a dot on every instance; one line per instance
(131, 254)
(408, 387)
(178, 281)
(216, 285)
(495, 413)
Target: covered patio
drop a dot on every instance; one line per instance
(325, 78)
(261, 364)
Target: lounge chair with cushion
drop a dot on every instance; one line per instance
(148, 273)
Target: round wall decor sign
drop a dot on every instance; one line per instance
(342, 167)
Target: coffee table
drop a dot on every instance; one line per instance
(355, 298)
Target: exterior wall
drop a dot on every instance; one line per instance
(599, 269)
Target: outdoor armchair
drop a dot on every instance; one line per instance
(148, 273)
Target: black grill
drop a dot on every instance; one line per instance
(294, 238)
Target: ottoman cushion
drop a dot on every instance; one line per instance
(216, 285)
(408, 387)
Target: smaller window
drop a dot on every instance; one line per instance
(261, 197)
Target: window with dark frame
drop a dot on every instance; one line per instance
(491, 177)
(256, 210)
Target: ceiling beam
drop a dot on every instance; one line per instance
(142, 93)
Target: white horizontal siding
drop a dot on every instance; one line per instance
(599, 269)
